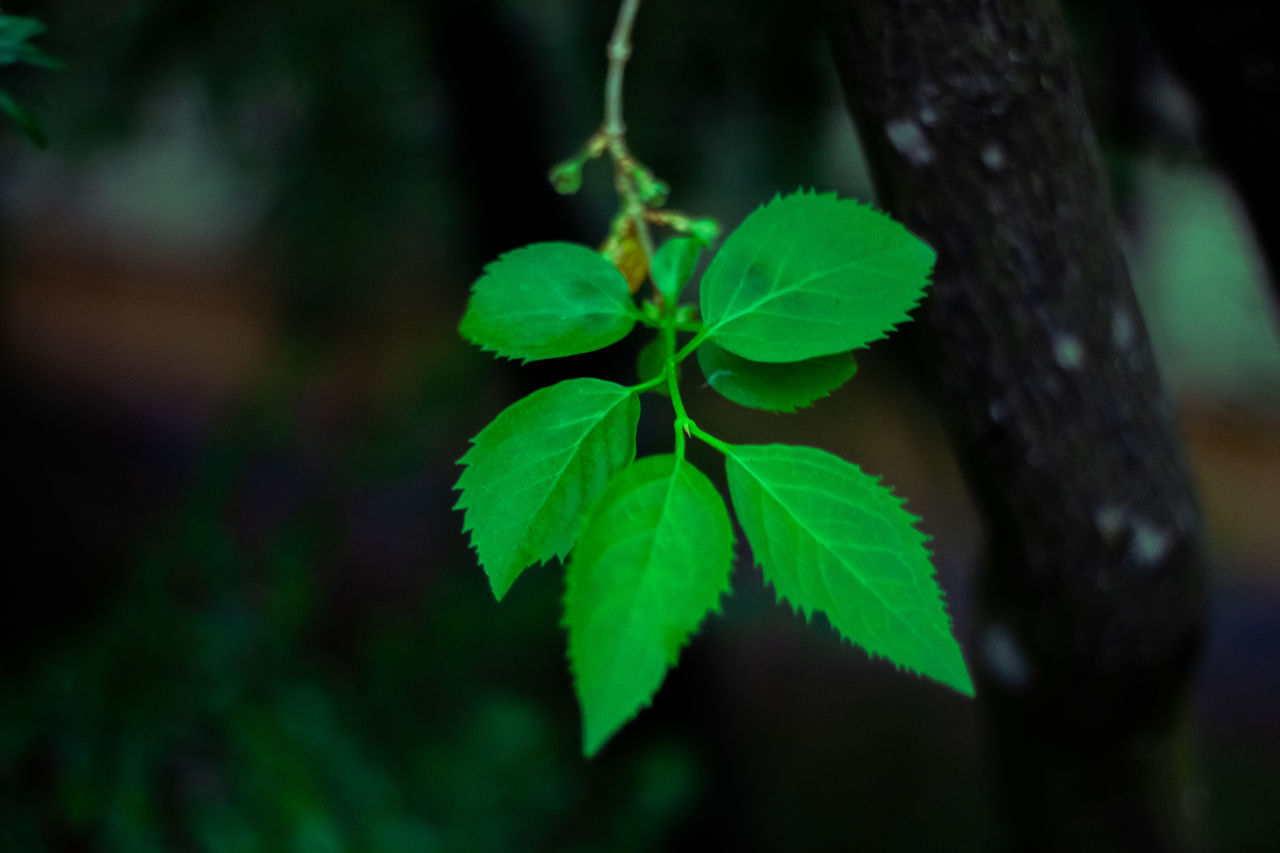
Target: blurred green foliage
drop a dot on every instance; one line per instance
(218, 702)
(16, 33)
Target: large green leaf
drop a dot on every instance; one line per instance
(778, 386)
(533, 473)
(548, 300)
(808, 275)
(653, 560)
(832, 539)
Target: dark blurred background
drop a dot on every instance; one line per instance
(239, 613)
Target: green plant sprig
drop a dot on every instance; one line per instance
(641, 194)
(648, 543)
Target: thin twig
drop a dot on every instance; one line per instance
(614, 129)
(640, 193)
(618, 52)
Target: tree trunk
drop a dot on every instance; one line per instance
(1092, 593)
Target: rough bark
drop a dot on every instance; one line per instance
(1092, 590)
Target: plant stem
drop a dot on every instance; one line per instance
(723, 446)
(682, 422)
(692, 345)
(648, 384)
(618, 52)
(614, 130)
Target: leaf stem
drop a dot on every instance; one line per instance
(723, 446)
(648, 384)
(682, 423)
(703, 333)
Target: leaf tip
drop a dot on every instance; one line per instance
(498, 587)
(593, 741)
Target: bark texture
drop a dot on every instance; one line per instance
(1092, 588)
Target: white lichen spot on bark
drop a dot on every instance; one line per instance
(1121, 329)
(1109, 520)
(993, 156)
(907, 139)
(1068, 351)
(1004, 658)
(1149, 544)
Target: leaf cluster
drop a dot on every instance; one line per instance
(649, 545)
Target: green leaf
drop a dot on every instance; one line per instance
(673, 265)
(653, 560)
(651, 361)
(16, 29)
(777, 387)
(808, 275)
(534, 472)
(548, 300)
(832, 539)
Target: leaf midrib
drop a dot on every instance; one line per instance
(569, 457)
(775, 292)
(646, 571)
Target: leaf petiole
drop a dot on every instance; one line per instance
(723, 446)
(648, 384)
(683, 424)
(704, 332)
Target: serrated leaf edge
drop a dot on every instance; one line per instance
(710, 383)
(673, 658)
(893, 326)
(469, 527)
(807, 612)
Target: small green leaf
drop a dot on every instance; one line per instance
(777, 387)
(673, 265)
(653, 560)
(652, 190)
(808, 275)
(566, 176)
(832, 539)
(651, 361)
(705, 231)
(534, 472)
(548, 300)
